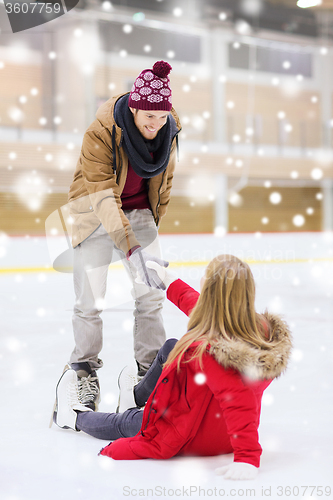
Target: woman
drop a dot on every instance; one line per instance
(207, 398)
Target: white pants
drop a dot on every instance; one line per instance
(91, 262)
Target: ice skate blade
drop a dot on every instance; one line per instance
(54, 411)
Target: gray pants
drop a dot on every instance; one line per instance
(91, 262)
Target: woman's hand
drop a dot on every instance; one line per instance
(238, 470)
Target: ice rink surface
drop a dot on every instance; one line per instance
(294, 276)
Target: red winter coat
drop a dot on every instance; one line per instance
(215, 413)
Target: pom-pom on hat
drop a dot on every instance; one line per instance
(151, 90)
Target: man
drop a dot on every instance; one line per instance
(120, 192)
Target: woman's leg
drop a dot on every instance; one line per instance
(145, 387)
(110, 426)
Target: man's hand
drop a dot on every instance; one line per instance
(148, 275)
(165, 276)
(238, 470)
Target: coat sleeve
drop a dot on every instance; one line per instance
(120, 450)
(239, 407)
(183, 296)
(100, 181)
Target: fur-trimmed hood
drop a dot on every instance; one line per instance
(253, 362)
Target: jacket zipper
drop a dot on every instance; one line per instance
(150, 410)
(120, 158)
(159, 199)
(159, 191)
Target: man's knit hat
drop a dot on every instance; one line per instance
(151, 90)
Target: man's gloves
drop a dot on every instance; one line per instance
(238, 470)
(164, 275)
(148, 275)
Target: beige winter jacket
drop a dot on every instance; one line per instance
(95, 192)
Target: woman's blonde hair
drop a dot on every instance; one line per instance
(225, 309)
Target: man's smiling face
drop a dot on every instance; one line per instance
(149, 122)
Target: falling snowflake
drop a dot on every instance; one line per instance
(317, 271)
(220, 231)
(105, 463)
(275, 305)
(100, 304)
(13, 344)
(242, 27)
(235, 199)
(109, 398)
(127, 325)
(200, 378)
(267, 399)
(107, 6)
(16, 114)
(297, 355)
(298, 220)
(316, 173)
(275, 198)
(177, 12)
(127, 28)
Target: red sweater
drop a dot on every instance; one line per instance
(135, 192)
(183, 417)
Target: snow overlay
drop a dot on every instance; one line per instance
(294, 276)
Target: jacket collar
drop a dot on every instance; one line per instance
(254, 363)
